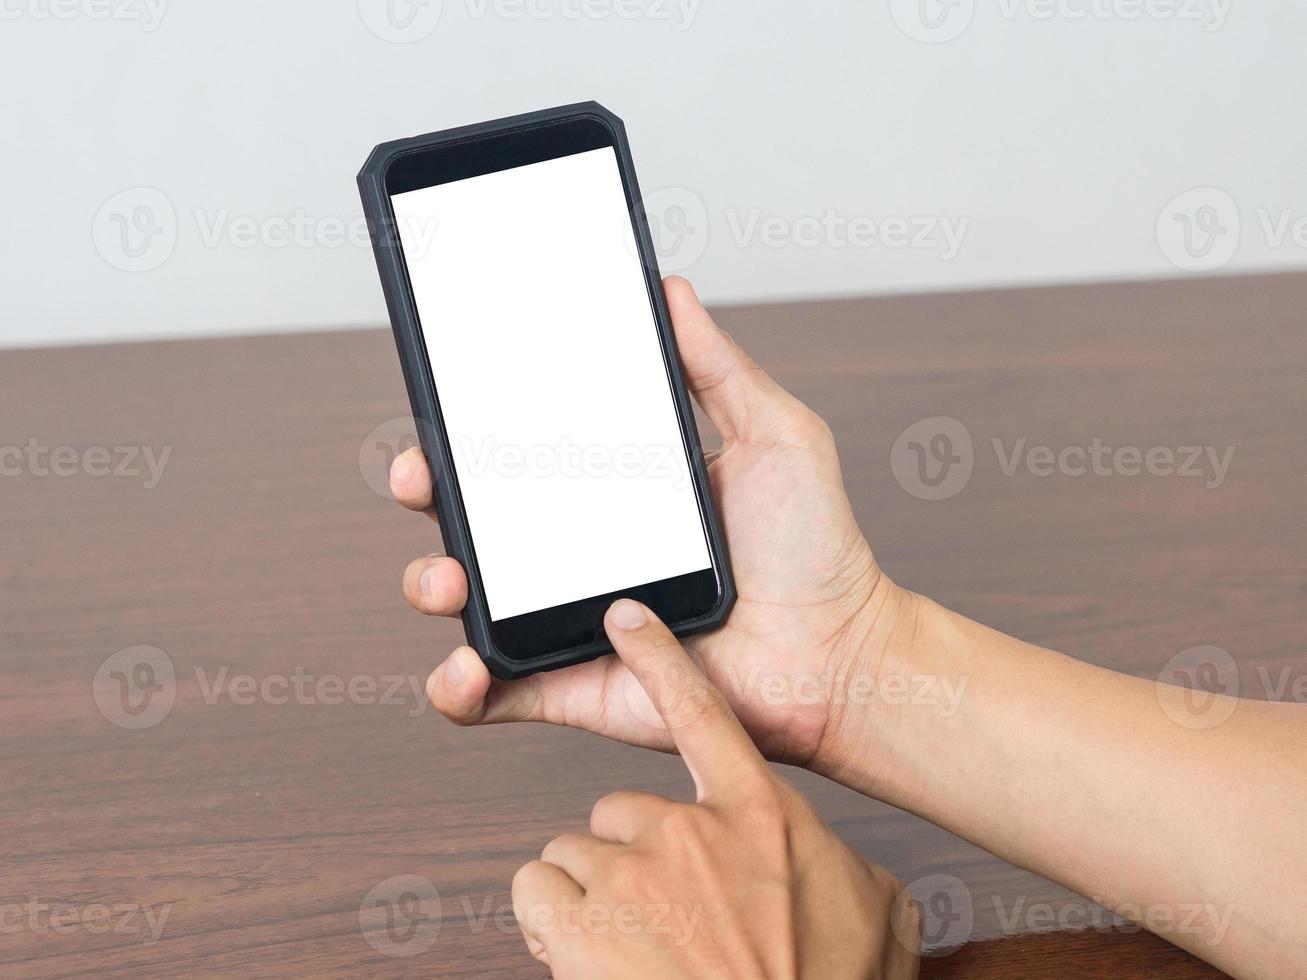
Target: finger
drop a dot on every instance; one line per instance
(621, 817)
(738, 396)
(463, 691)
(410, 481)
(535, 947)
(583, 857)
(436, 585)
(718, 752)
(541, 893)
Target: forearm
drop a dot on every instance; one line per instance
(1078, 774)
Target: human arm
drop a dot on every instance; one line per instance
(1072, 771)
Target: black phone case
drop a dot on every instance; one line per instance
(426, 409)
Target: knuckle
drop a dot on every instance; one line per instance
(688, 837)
(773, 837)
(527, 879)
(810, 427)
(559, 846)
(767, 798)
(605, 806)
(768, 809)
(611, 799)
(682, 822)
(713, 378)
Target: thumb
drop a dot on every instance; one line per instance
(739, 397)
(717, 750)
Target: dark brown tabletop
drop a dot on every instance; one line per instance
(262, 818)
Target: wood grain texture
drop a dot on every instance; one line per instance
(263, 552)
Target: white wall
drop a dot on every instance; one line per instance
(1050, 135)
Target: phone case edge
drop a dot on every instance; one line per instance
(453, 527)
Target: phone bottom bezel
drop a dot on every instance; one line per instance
(682, 599)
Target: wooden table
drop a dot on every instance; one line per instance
(259, 821)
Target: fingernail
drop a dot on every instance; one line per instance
(453, 671)
(428, 581)
(405, 466)
(627, 614)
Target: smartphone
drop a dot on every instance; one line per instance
(544, 379)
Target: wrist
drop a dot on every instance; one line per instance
(892, 685)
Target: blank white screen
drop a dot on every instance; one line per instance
(551, 381)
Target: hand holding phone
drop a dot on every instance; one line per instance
(813, 614)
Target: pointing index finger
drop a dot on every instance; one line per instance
(717, 750)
